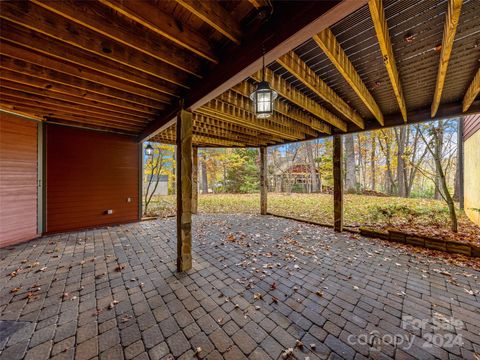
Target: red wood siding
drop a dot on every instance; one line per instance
(89, 172)
(18, 179)
(471, 125)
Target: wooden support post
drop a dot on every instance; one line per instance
(263, 180)
(194, 180)
(338, 183)
(184, 191)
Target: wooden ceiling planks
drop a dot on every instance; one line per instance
(122, 67)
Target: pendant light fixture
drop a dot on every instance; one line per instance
(149, 150)
(263, 96)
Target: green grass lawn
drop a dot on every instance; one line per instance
(417, 215)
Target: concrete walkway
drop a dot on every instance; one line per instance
(261, 287)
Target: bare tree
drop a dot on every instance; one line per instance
(350, 178)
(155, 164)
(312, 167)
(203, 166)
(434, 146)
(400, 135)
(386, 149)
(438, 154)
(373, 166)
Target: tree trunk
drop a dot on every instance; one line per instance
(361, 170)
(350, 178)
(313, 167)
(204, 174)
(400, 134)
(441, 176)
(438, 154)
(372, 160)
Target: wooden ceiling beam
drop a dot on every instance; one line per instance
(219, 124)
(12, 60)
(332, 48)
(18, 41)
(223, 125)
(291, 24)
(72, 105)
(244, 103)
(201, 130)
(449, 31)
(229, 113)
(117, 89)
(210, 123)
(104, 39)
(298, 98)
(381, 28)
(49, 94)
(213, 13)
(47, 112)
(298, 68)
(291, 111)
(71, 122)
(472, 91)
(198, 140)
(151, 17)
(95, 94)
(208, 111)
(9, 97)
(280, 124)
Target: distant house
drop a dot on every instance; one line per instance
(295, 178)
(162, 187)
(471, 138)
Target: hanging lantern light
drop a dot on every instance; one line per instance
(263, 97)
(149, 150)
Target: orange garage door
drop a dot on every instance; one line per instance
(18, 179)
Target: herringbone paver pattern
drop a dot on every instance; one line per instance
(258, 286)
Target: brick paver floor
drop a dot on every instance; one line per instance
(259, 286)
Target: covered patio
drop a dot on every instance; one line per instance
(259, 285)
(85, 84)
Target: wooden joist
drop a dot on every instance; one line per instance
(216, 16)
(70, 97)
(298, 98)
(472, 91)
(198, 140)
(31, 46)
(449, 31)
(201, 119)
(57, 110)
(90, 124)
(246, 104)
(203, 123)
(332, 48)
(137, 95)
(293, 112)
(228, 112)
(298, 68)
(381, 28)
(133, 103)
(69, 105)
(151, 17)
(24, 61)
(102, 36)
(66, 116)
